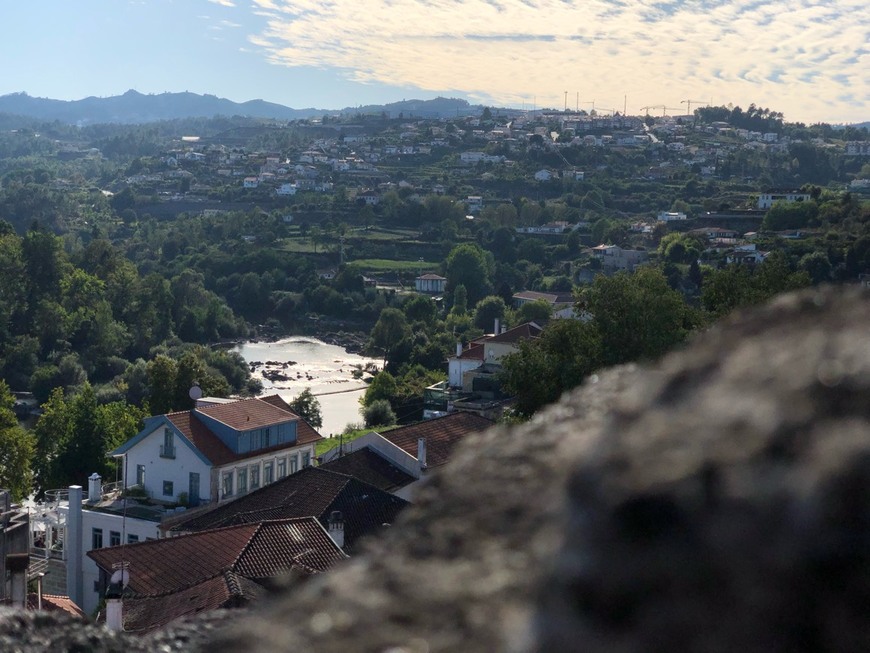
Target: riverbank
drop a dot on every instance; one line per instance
(332, 373)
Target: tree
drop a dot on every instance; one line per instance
(488, 310)
(469, 265)
(17, 449)
(379, 413)
(390, 329)
(306, 405)
(542, 369)
(383, 386)
(638, 315)
(538, 311)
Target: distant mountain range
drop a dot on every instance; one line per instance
(133, 107)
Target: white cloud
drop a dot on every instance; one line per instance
(797, 56)
(224, 3)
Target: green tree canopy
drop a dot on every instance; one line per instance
(469, 265)
(17, 449)
(542, 369)
(638, 315)
(306, 405)
(488, 310)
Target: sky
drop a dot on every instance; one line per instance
(809, 59)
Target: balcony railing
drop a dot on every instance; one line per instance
(167, 452)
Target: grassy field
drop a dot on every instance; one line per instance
(379, 265)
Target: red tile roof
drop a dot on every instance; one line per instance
(521, 332)
(55, 603)
(256, 551)
(370, 467)
(247, 414)
(202, 438)
(473, 352)
(442, 434)
(312, 491)
(305, 433)
(143, 614)
(216, 451)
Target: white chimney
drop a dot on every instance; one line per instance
(496, 330)
(458, 349)
(336, 528)
(421, 453)
(17, 564)
(73, 544)
(94, 488)
(115, 607)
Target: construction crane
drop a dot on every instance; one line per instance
(654, 106)
(691, 102)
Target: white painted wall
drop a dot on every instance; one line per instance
(108, 522)
(157, 469)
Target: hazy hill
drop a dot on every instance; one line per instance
(134, 107)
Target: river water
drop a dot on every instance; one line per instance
(326, 369)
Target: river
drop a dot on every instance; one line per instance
(326, 369)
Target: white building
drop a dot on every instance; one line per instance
(430, 283)
(214, 452)
(768, 197)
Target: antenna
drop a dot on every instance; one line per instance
(121, 574)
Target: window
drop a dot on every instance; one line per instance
(306, 459)
(140, 475)
(132, 539)
(167, 450)
(243, 481)
(294, 464)
(255, 440)
(282, 467)
(255, 477)
(96, 538)
(228, 484)
(266, 438)
(268, 472)
(167, 489)
(114, 538)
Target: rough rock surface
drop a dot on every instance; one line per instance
(719, 501)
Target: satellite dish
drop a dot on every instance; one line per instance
(195, 392)
(121, 576)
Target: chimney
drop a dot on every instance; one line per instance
(16, 564)
(496, 329)
(73, 543)
(336, 528)
(421, 453)
(458, 349)
(94, 488)
(114, 607)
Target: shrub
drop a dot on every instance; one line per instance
(379, 413)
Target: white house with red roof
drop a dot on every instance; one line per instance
(216, 451)
(430, 283)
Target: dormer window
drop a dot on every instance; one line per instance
(167, 449)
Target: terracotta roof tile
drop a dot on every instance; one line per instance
(370, 467)
(305, 433)
(521, 332)
(247, 414)
(256, 551)
(442, 434)
(55, 603)
(143, 614)
(312, 491)
(216, 451)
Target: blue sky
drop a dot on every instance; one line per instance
(807, 58)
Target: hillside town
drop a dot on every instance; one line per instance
(486, 264)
